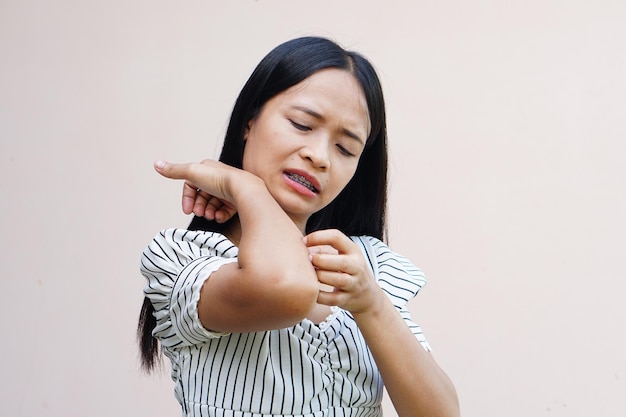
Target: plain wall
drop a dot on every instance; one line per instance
(507, 130)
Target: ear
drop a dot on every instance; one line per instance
(246, 131)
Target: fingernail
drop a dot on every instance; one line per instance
(159, 164)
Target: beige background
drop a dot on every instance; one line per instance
(507, 128)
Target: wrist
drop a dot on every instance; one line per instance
(245, 186)
(375, 308)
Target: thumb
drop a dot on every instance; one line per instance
(170, 170)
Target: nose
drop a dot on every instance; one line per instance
(317, 152)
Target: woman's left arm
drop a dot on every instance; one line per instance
(416, 385)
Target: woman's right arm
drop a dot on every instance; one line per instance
(273, 284)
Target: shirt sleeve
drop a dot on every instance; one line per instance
(398, 278)
(176, 264)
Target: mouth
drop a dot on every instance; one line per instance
(302, 180)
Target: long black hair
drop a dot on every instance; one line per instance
(360, 208)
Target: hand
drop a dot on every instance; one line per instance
(341, 267)
(203, 204)
(205, 191)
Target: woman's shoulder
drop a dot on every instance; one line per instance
(395, 273)
(193, 240)
(176, 263)
(178, 234)
(178, 247)
(380, 250)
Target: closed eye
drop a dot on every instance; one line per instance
(299, 126)
(344, 151)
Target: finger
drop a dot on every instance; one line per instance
(332, 298)
(200, 203)
(326, 294)
(337, 263)
(339, 281)
(189, 197)
(207, 205)
(171, 170)
(225, 213)
(330, 237)
(327, 249)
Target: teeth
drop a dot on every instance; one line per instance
(300, 179)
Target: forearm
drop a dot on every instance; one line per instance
(271, 245)
(416, 384)
(273, 284)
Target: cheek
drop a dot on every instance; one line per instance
(245, 162)
(344, 176)
(252, 150)
(351, 170)
(251, 156)
(259, 158)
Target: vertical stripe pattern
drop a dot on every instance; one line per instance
(305, 370)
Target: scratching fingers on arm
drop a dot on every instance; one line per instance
(346, 271)
(332, 251)
(329, 238)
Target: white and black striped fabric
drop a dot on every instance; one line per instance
(305, 370)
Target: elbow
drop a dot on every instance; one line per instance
(294, 299)
(302, 302)
(450, 407)
(277, 300)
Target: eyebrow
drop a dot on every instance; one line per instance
(316, 115)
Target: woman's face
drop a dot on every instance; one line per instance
(306, 141)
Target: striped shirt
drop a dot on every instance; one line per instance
(308, 369)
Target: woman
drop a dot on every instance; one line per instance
(281, 298)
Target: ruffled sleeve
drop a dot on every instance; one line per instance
(398, 278)
(176, 264)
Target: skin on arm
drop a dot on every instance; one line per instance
(416, 385)
(273, 284)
